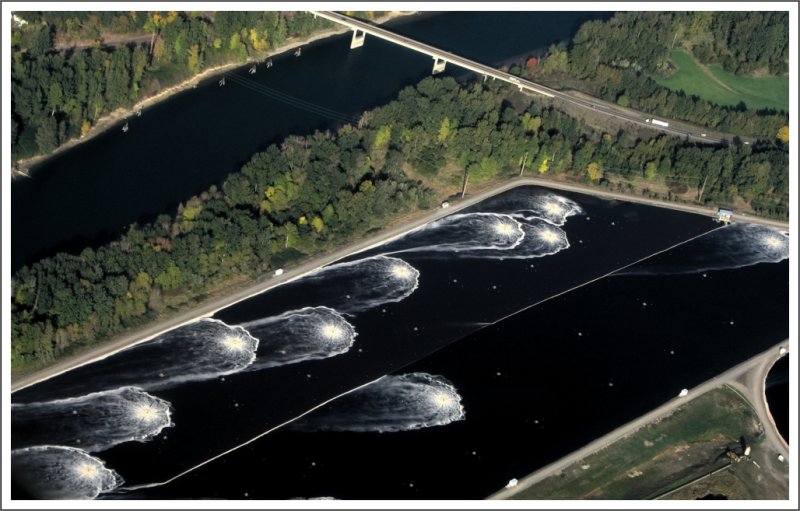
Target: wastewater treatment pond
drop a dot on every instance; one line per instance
(475, 349)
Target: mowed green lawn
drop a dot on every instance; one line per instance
(758, 93)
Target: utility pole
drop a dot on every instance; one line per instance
(152, 43)
(524, 161)
(702, 189)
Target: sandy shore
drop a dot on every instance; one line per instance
(107, 121)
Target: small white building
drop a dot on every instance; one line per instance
(279, 272)
(684, 393)
(724, 215)
(445, 204)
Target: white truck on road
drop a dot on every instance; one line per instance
(657, 122)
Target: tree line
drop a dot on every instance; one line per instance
(617, 58)
(315, 193)
(59, 95)
(741, 42)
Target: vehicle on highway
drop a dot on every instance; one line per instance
(657, 122)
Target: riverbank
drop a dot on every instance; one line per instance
(231, 293)
(106, 122)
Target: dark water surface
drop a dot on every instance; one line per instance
(778, 395)
(444, 300)
(416, 295)
(180, 147)
(535, 387)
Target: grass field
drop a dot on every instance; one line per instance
(666, 454)
(718, 86)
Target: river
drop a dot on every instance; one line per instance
(179, 147)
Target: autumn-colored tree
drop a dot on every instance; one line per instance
(85, 127)
(444, 130)
(235, 41)
(544, 167)
(650, 170)
(382, 136)
(317, 224)
(154, 23)
(193, 62)
(594, 172)
(158, 48)
(259, 43)
(783, 134)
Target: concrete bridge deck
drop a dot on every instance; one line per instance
(441, 58)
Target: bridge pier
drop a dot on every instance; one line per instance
(438, 65)
(358, 40)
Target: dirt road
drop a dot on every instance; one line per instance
(209, 308)
(748, 378)
(106, 40)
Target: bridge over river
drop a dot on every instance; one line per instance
(441, 58)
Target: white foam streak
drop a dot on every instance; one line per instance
(549, 207)
(735, 246)
(58, 472)
(367, 283)
(94, 422)
(391, 404)
(306, 334)
(202, 350)
(467, 233)
(488, 236)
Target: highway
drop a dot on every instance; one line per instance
(522, 83)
